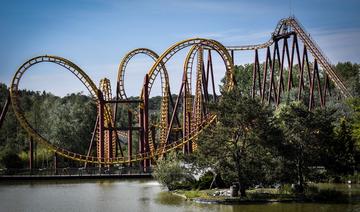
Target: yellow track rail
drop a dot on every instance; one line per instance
(291, 24)
(158, 67)
(165, 87)
(288, 25)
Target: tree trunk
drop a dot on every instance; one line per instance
(300, 177)
(242, 187)
(242, 190)
(213, 181)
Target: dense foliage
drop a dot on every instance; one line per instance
(232, 146)
(255, 145)
(66, 122)
(172, 173)
(251, 144)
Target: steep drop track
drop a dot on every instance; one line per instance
(182, 121)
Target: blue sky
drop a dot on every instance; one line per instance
(96, 34)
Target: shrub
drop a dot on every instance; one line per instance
(11, 159)
(285, 189)
(170, 172)
(205, 181)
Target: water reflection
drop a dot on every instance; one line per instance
(165, 198)
(129, 195)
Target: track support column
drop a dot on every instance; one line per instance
(55, 164)
(184, 129)
(141, 136)
(31, 154)
(146, 122)
(312, 84)
(101, 129)
(129, 137)
(5, 109)
(190, 144)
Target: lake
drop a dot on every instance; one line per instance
(130, 195)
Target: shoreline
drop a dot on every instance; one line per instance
(231, 200)
(225, 200)
(66, 177)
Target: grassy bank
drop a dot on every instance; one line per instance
(263, 195)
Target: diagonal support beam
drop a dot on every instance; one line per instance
(5, 109)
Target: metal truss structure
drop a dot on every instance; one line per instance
(287, 68)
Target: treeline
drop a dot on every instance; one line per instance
(66, 121)
(69, 121)
(257, 145)
(254, 144)
(348, 72)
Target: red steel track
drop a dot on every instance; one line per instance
(287, 68)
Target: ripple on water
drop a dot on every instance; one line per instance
(152, 183)
(127, 195)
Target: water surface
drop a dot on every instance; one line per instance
(126, 195)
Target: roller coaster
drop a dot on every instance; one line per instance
(287, 68)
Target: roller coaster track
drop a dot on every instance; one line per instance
(152, 76)
(287, 25)
(109, 143)
(94, 91)
(14, 91)
(220, 49)
(195, 117)
(165, 89)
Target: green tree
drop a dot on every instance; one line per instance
(71, 121)
(350, 73)
(307, 135)
(341, 153)
(9, 158)
(243, 77)
(235, 145)
(171, 172)
(355, 106)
